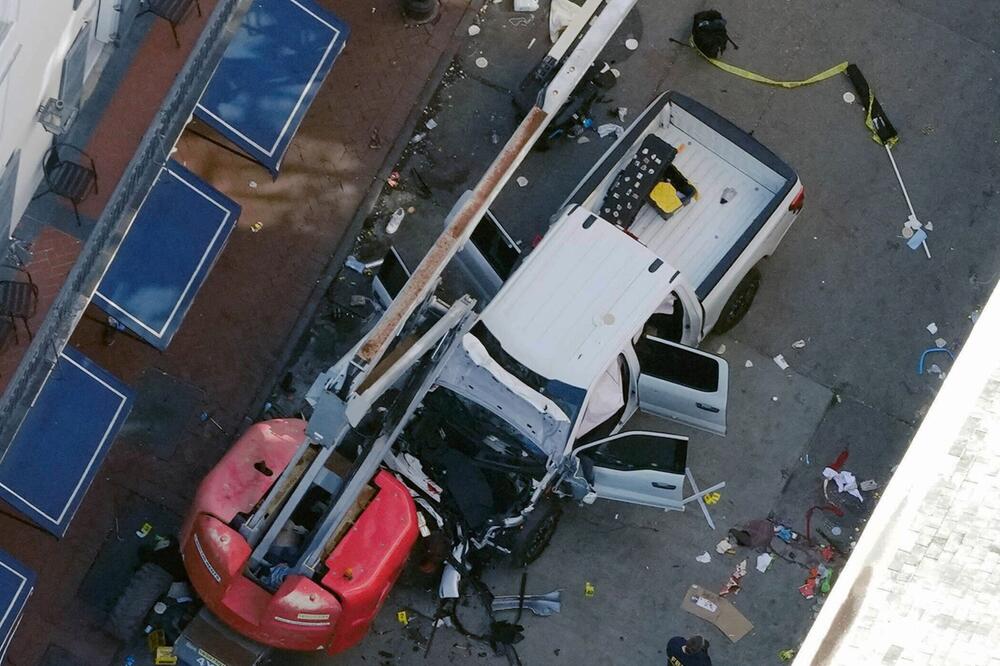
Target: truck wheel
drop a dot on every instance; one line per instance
(739, 302)
(148, 584)
(533, 537)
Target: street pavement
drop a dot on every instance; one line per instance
(843, 281)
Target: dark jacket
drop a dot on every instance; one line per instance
(676, 656)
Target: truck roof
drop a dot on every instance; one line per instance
(578, 299)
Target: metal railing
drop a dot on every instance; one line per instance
(152, 153)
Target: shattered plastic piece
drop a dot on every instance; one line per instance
(784, 533)
(522, 181)
(417, 138)
(482, 62)
(932, 328)
(799, 344)
(403, 617)
(589, 589)
(393, 179)
(622, 112)
(748, 364)
(724, 546)
(849, 97)
(704, 558)
(721, 350)
(764, 561)
(253, 184)
(780, 362)
(355, 264)
(256, 226)
(774, 398)
(525, 5)
(430, 124)
(631, 43)
(789, 654)
(474, 30)
(583, 139)
(608, 129)
(397, 218)
(929, 226)
(532, 42)
(918, 238)
(934, 369)
(941, 343)
(728, 195)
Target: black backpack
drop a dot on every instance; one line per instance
(708, 29)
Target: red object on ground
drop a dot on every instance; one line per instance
(839, 462)
(333, 613)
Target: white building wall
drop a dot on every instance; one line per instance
(32, 53)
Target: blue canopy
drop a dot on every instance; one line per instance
(168, 250)
(62, 441)
(16, 583)
(269, 75)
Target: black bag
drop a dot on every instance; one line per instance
(709, 32)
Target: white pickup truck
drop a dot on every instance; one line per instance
(525, 401)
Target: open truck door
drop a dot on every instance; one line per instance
(682, 383)
(638, 467)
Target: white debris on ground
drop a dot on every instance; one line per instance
(780, 361)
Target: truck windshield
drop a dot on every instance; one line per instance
(568, 398)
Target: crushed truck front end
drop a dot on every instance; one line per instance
(330, 609)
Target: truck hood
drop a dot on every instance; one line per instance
(471, 372)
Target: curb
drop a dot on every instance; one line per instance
(330, 270)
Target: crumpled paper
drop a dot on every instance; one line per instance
(846, 482)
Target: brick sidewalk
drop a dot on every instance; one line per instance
(231, 342)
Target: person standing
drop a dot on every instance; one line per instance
(691, 651)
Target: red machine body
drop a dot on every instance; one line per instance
(331, 614)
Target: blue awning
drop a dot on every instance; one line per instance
(62, 441)
(269, 75)
(16, 584)
(168, 251)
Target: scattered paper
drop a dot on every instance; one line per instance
(869, 485)
(431, 123)
(608, 129)
(779, 360)
(721, 350)
(583, 139)
(845, 482)
(525, 5)
(764, 561)
(929, 226)
(702, 602)
(704, 558)
(724, 547)
(941, 342)
(799, 344)
(748, 364)
(622, 112)
(522, 181)
(932, 328)
(482, 62)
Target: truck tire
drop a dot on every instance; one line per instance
(148, 584)
(739, 301)
(533, 537)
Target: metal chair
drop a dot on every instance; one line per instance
(70, 173)
(172, 11)
(18, 300)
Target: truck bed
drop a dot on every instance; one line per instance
(703, 238)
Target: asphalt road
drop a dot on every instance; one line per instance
(843, 281)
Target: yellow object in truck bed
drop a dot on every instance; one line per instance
(664, 198)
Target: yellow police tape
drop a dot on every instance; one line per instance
(752, 76)
(871, 125)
